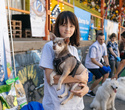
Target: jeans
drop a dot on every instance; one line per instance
(113, 64)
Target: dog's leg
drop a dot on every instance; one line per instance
(74, 87)
(113, 103)
(104, 104)
(61, 79)
(66, 91)
(70, 97)
(51, 78)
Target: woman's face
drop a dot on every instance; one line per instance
(66, 30)
(113, 39)
(123, 39)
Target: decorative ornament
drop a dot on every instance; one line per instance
(93, 4)
(115, 7)
(55, 12)
(104, 4)
(116, 11)
(99, 10)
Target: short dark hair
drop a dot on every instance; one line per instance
(63, 17)
(123, 34)
(112, 35)
(99, 34)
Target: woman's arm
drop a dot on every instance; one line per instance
(112, 52)
(83, 77)
(81, 92)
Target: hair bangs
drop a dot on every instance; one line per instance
(65, 17)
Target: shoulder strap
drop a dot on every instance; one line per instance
(58, 61)
(75, 68)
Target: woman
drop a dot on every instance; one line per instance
(66, 26)
(113, 54)
(122, 55)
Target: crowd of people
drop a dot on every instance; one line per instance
(67, 26)
(114, 59)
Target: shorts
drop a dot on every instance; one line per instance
(98, 72)
(122, 55)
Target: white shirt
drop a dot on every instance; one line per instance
(50, 99)
(95, 51)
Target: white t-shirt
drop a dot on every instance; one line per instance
(50, 99)
(95, 51)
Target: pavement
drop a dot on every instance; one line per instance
(119, 104)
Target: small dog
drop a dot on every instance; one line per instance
(121, 89)
(105, 95)
(60, 47)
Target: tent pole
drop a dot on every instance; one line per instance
(11, 40)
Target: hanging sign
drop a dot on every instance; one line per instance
(37, 17)
(5, 56)
(84, 22)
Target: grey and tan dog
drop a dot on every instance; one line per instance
(60, 47)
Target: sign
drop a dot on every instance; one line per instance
(5, 56)
(84, 22)
(109, 28)
(37, 17)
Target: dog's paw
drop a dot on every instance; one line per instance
(58, 89)
(62, 103)
(51, 82)
(113, 108)
(59, 96)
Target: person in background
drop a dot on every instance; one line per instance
(66, 26)
(96, 51)
(113, 53)
(122, 56)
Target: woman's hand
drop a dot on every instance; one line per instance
(81, 92)
(115, 76)
(83, 77)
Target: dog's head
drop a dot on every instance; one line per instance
(59, 44)
(112, 84)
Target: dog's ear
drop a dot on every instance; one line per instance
(67, 40)
(52, 36)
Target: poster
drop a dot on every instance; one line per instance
(5, 56)
(37, 17)
(84, 22)
(109, 28)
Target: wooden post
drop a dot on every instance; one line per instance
(47, 21)
(102, 14)
(119, 19)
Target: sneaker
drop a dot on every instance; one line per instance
(91, 94)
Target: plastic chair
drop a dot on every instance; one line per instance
(33, 106)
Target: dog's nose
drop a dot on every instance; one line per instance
(116, 87)
(54, 47)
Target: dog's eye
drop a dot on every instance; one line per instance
(59, 44)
